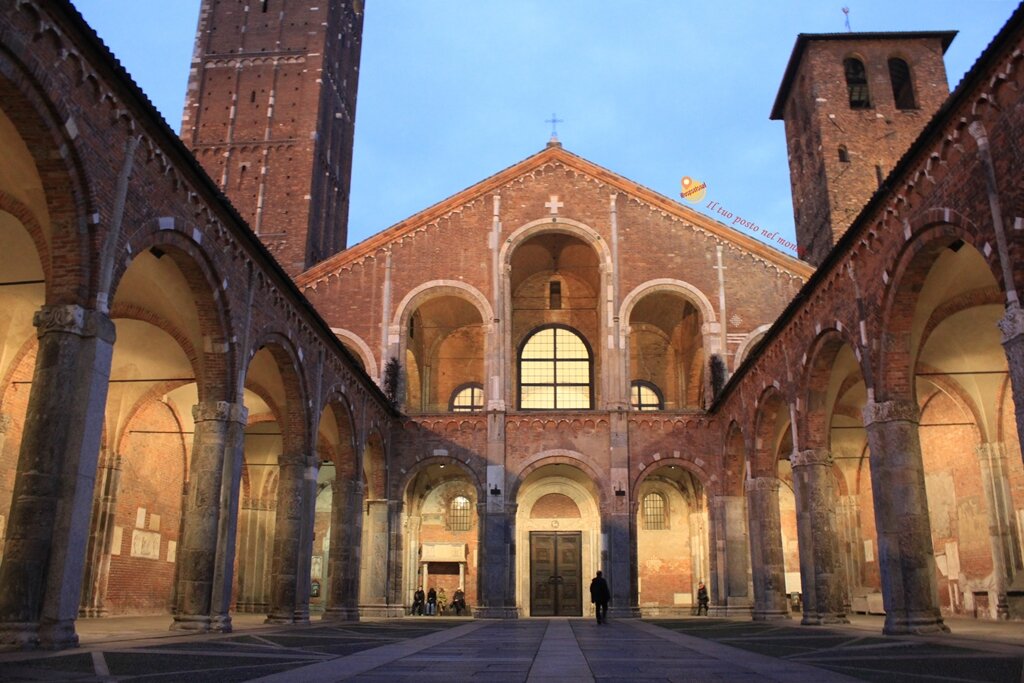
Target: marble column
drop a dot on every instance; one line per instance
(729, 584)
(822, 572)
(293, 540)
(48, 527)
(1012, 327)
(766, 556)
(905, 557)
(343, 560)
(206, 554)
(101, 533)
(373, 572)
(1003, 532)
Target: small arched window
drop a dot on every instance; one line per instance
(458, 514)
(555, 370)
(902, 90)
(645, 396)
(655, 518)
(467, 398)
(857, 83)
(844, 154)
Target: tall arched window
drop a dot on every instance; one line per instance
(645, 396)
(467, 398)
(655, 518)
(857, 83)
(902, 90)
(555, 370)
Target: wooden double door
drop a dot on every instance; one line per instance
(556, 574)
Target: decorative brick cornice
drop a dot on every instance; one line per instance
(891, 411)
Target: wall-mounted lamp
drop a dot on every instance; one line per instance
(619, 491)
(495, 491)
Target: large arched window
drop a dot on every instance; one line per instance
(857, 83)
(467, 398)
(555, 370)
(902, 89)
(645, 396)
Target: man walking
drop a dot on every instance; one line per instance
(600, 595)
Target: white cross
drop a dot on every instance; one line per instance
(554, 205)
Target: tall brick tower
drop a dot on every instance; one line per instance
(853, 103)
(270, 113)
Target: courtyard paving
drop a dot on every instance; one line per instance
(451, 650)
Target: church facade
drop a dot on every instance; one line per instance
(211, 406)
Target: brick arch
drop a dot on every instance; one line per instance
(361, 350)
(698, 472)
(376, 479)
(561, 456)
(216, 360)
(567, 226)
(961, 398)
(766, 412)
(734, 458)
(434, 289)
(748, 344)
(37, 107)
(813, 419)
(894, 379)
(684, 289)
(342, 408)
(296, 423)
(408, 478)
(35, 231)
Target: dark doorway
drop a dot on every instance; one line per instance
(556, 585)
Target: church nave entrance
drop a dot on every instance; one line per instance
(556, 579)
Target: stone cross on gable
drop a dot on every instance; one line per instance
(554, 204)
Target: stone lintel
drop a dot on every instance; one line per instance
(891, 411)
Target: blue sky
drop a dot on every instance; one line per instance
(452, 91)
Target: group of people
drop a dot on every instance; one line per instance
(435, 602)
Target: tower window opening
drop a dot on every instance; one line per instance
(902, 90)
(555, 294)
(844, 154)
(265, 2)
(857, 83)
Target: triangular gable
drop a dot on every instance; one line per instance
(553, 153)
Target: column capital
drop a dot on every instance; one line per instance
(811, 456)
(891, 411)
(763, 484)
(221, 411)
(993, 450)
(1012, 323)
(6, 420)
(74, 319)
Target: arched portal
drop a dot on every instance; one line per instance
(671, 538)
(558, 529)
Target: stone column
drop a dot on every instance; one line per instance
(206, 555)
(616, 524)
(293, 540)
(822, 572)
(729, 584)
(48, 527)
(101, 533)
(1003, 532)
(766, 556)
(343, 561)
(851, 546)
(393, 587)
(373, 573)
(906, 560)
(497, 562)
(1012, 327)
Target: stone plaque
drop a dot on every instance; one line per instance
(145, 544)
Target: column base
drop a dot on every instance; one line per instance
(221, 623)
(823, 619)
(381, 611)
(631, 612)
(296, 618)
(737, 609)
(199, 623)
(24, 634)
(58, 635)
(495, 612)
(915, 624)
(340, 614)
(770, 614)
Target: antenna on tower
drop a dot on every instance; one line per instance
(846, 11)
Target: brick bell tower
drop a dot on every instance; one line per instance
(853, 103)
(270, 113)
